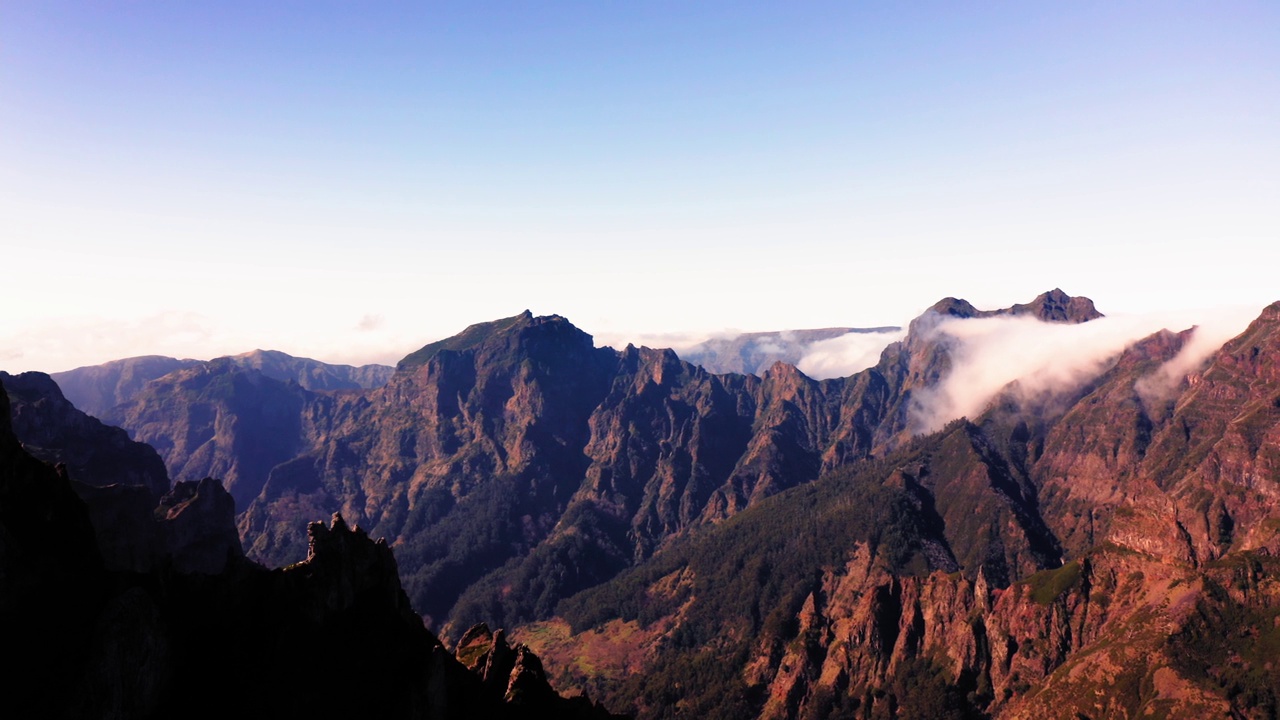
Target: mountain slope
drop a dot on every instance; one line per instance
(96, 454)
(838, 598)
(218, 419)
(332, 635)
(518, 455)
(96, 389)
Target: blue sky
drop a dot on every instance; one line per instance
(350, 182)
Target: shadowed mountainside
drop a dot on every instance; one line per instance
(333, 635)
(55, 431)
(96, 389)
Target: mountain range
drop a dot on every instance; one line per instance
(686, 543)
(95, 389)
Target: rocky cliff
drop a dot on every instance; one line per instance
(333, 635)
(218, 419)
(518, 454)
(54, 430)
(139, 521)
(1084, 555)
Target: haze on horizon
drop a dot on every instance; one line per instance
(348, 183)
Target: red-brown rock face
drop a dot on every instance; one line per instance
(518, 434)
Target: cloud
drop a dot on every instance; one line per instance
(990, 353)
(845, 355)
(1206, 339)
(822, 359)
(369, 322)
(770, 347)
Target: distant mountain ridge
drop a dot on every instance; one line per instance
(96, 389)
(753, 353)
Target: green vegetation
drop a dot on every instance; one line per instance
(447, 550)
(768, 556)
(590, 548)
(1049, 585)
(745, 580)
(1234, 646)
(465, 340)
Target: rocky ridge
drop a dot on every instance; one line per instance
(140, 522)
(334, 634)
(96, 389)
(522, 437)
(96, 454)
(1133, 571)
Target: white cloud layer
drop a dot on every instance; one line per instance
(845, 355)
(990, 353)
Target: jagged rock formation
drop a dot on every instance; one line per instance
(139, 521)
(1116, 554)
(754, 353)
(516, 673)
(1108, 636)
(191, 530)
(334, 635)
(197, 531)
(517, 451)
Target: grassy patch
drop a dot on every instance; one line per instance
(1049, 585)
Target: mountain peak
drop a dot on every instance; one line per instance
(955, 307)
(487, 333)
(469, 338)
(1052, 306)
(1057, 306)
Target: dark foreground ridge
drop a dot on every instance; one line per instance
(181, 625)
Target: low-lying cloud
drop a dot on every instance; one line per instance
(737, 352)
(845, 355)
(990, 353)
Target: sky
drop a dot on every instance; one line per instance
(349, 181)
